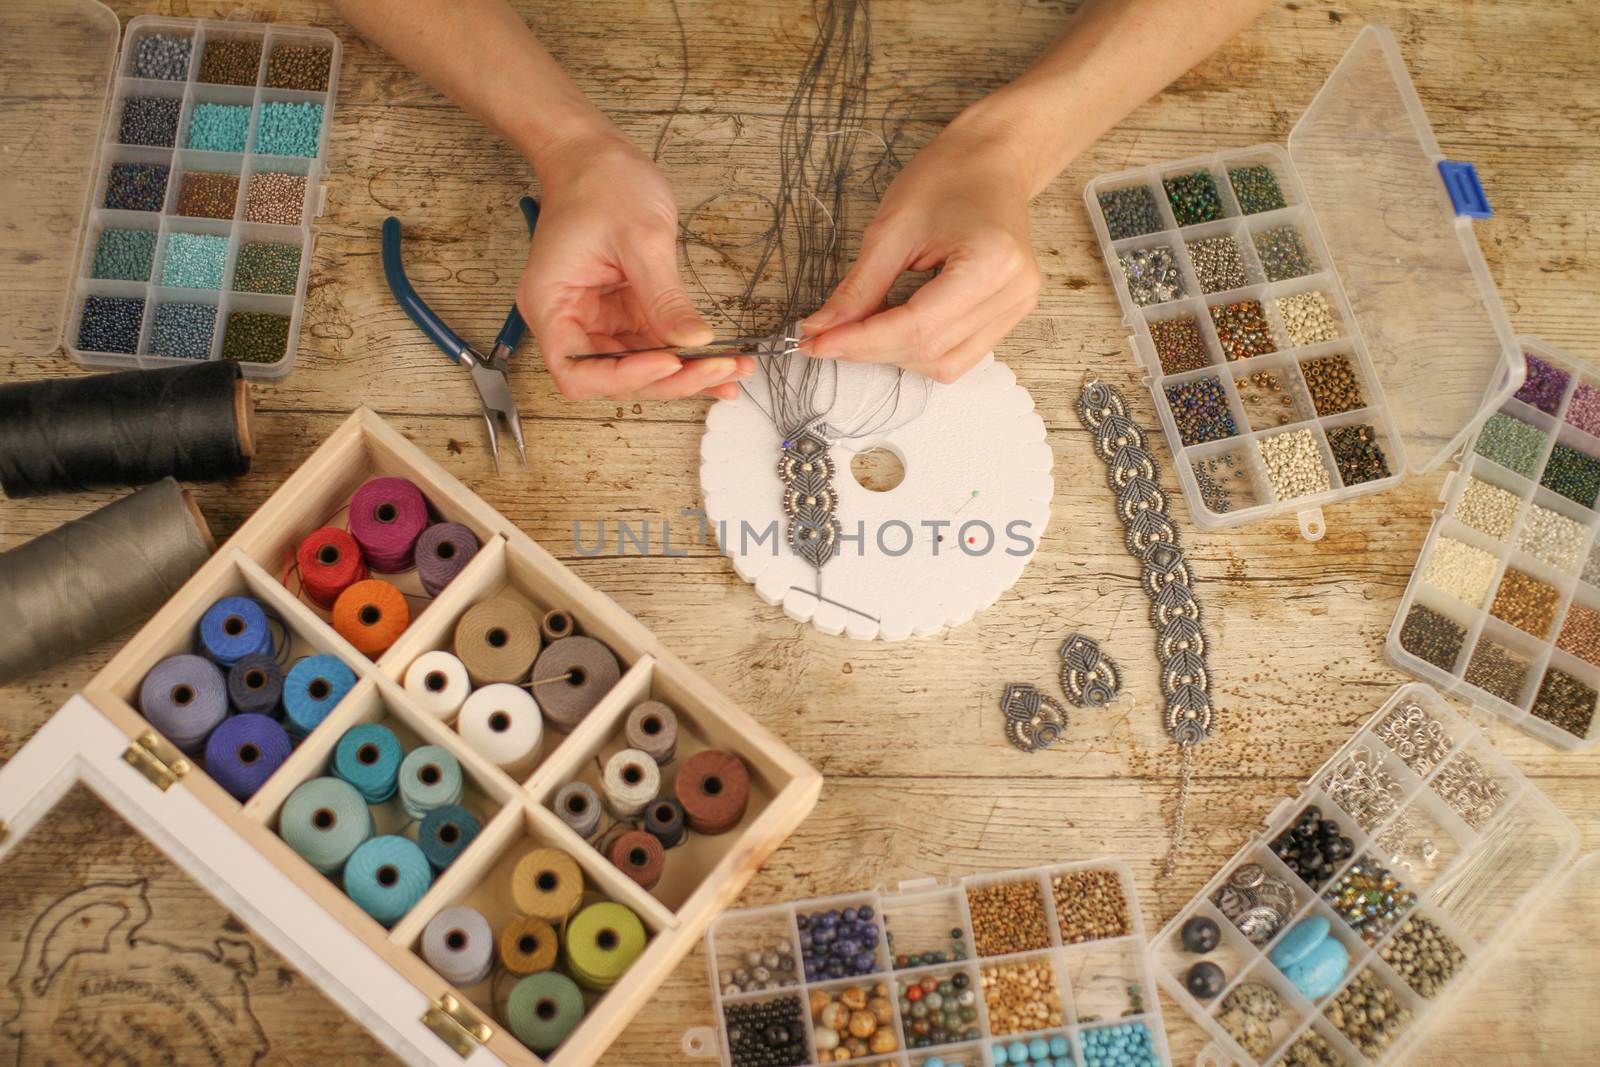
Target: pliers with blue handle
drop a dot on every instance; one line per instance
(488, 372)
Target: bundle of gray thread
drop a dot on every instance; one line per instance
(84, 581)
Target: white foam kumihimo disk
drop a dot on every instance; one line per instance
(929, 553)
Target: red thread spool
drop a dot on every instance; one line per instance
(714, 788)
(371, 615)
(639, 856)
(330, 562)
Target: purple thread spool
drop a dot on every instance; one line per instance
(443, 551)
(185, 697)
(387, 515)
(245, 751)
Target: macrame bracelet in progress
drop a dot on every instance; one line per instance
(1152, 538)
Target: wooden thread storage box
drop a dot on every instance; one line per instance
(235, 851)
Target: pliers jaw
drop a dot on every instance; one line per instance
(489, 378)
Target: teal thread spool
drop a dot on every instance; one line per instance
(386, 876)
(368, 757)
(543, 1009)
(430, 778)
(445, 834)
(325, 820)
(311, 689)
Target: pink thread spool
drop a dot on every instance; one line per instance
(387, 515)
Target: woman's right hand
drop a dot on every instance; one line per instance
(602, 275)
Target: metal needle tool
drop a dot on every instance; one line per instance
(734, 346)
(488, 371)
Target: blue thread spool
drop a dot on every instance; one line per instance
(245, 751)
(311, 689)
(255, 685)
(232, 628)
(445, 834)
(430, 778)
(368, 757)
(325, 820)
(386, 877)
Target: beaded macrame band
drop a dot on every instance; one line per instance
(1151, 537)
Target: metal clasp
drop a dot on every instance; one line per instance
(157, 760)
(456, 1025)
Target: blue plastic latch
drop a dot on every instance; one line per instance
(1466, 191)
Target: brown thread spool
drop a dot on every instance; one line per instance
(557, 624)
(547, 884)
(497, 640)
(639, 856)
(570, 677)
(652, 728)
(528, 945)
(714, 788)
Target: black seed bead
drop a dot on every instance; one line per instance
(110, 324)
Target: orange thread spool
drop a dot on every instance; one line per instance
(371, 615)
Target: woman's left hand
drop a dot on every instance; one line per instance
(962, 206)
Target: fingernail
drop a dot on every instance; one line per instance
(819, 322)
(690, 330)
(667, 371)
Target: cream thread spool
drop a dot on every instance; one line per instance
(652, 728)
(437, 682)
(501, 722)
(631, 781)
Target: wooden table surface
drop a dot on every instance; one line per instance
(920, 781)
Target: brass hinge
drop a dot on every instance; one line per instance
(456, 1025)
(157, 760)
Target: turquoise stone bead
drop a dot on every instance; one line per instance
(1059, 1046)
(1298, 943)
(1038, 1049)
(933, 1061)
(1319, 973)
(1018, 1052)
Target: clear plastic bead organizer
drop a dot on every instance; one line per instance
(1462, 830)
(1362, 269)
(1102, 982)
(1518, 530)
(241, 227)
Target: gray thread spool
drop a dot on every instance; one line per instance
(652, 728)
(579, 807)
(84, 581)
(458, 944)
(570, 677)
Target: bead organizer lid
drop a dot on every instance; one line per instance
(1503, 606)
(1339, 267)
(1072, 931)
(1424, 854)
(168, 215)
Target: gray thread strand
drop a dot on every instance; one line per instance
(83, 581)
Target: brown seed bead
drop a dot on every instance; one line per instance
(1008, 917)
(299, 67)
(208, 196)
(1333, 384)
(1423, 955)
(1580, 634)
(231, 61)
(1526, 602)
(1090, 905)
(1497, 670)
(1565, 702)
(1179, 345)
(1243, 330)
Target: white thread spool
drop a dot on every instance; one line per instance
(458, 944)
(438, 682)
(632, 780)
(502, 723)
